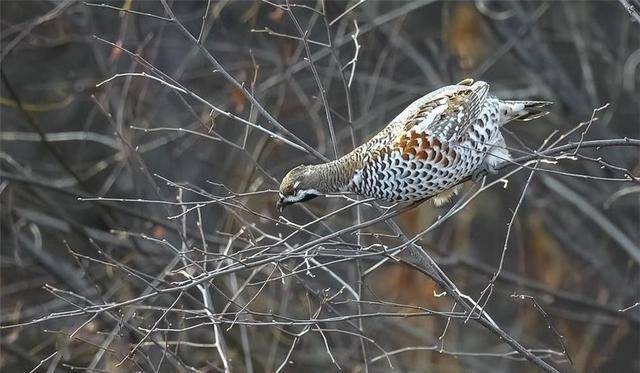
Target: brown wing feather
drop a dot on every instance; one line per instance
(426, 147)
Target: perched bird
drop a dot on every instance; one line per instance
(428, 149)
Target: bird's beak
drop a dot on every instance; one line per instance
(281, 204)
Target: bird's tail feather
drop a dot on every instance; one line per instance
(528, 110)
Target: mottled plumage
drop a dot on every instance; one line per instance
(429, 148)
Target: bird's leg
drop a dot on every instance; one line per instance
(483, 170)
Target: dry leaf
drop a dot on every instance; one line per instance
(158, 232)
(466, 36)
(276, 15)
(238, 99)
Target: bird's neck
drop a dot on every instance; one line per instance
(336, 175)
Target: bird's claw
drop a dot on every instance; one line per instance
(482, 171)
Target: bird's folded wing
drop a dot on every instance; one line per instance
(438, 123)
(447, 116)
(429, 124)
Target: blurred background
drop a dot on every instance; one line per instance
(118, 190)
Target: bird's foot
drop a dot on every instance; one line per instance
(485, 169)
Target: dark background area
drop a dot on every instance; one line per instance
(72, 264)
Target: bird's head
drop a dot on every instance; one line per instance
(299, 185)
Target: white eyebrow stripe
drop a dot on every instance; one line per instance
(296, 184)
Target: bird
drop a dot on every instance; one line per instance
(425, 152)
